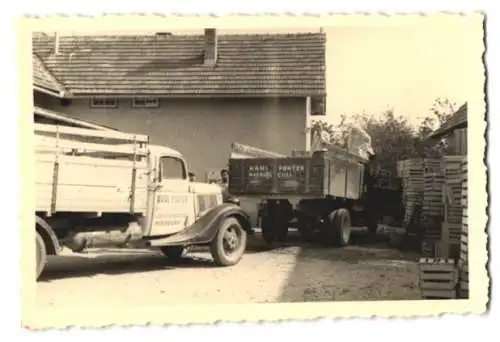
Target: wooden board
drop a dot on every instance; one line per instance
(108, 174)
(438, 278)
(89, 184)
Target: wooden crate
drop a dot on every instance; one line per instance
(428, 248)
(464, 248)
(463, 276)
(438, 278)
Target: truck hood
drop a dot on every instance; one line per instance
(206, 188)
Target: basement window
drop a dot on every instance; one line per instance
(103, 103)
(145, 102)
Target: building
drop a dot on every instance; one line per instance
(454, 132)
(197, 93)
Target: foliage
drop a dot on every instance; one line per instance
(393, 137)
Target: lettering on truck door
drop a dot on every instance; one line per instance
(173, 202)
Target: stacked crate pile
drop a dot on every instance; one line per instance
(422, 181)
(438, 278)
(432, 208)
(411, 172)
(464, 255)
(452, 198)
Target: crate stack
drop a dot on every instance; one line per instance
(411, 172)
(438, 278)
(453, 174)
(432, 206)
(451, 227)
(463, 263)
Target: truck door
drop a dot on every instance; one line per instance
(173, 203)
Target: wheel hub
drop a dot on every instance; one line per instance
(230, 240)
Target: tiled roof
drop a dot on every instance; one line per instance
(42, 78)
(459, 118)
(277, 64)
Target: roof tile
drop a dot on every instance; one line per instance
(42, 77)
(457, 119)
(278, 64)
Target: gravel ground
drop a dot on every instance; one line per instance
(292, 273)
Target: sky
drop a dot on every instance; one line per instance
(405, 68)
(401, 64)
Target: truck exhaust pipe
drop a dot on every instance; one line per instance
(117, 236)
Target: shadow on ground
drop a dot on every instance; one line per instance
(369, 269)
(115, 261)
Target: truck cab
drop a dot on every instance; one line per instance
(174, 201)
(106, 189)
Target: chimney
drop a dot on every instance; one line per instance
(210, 47)
(56, 43)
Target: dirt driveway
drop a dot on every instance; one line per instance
(284, 274)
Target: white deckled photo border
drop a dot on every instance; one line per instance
(247, 312)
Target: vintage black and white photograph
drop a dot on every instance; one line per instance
(217, 165)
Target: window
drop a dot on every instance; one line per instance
(318, 106)
(104, 103)
(145, 102)
(172, 168)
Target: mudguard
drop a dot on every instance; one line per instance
(205, 228)
(49, 237)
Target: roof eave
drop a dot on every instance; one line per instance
(190, 95)
(52, 92)
(438, 134)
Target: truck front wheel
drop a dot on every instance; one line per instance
(41, 255)
(228, 246)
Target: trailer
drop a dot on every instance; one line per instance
(319, 192)
(104, 188)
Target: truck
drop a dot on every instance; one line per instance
(320, 192)
(104, 189)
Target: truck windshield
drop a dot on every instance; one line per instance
(172, 168)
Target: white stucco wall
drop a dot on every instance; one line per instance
(203, 129)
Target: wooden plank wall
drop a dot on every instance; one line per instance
(87, 184)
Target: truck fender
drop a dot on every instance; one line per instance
(208, 225)
(49, 237)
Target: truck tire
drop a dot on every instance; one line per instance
(229, 244)
(41, 255)
(174, 253)
(307, 228)
(338, 232)
(267, 228)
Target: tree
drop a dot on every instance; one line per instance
(393, 137)
(441, 110)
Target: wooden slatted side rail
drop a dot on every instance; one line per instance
(438, 278)
(68, 147)
(84, 132)
(60, 142)
(250, 151)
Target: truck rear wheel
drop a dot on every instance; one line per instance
(268, 234)
(306, 227)
(338, 232)
(229, 244)
(41, 255)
